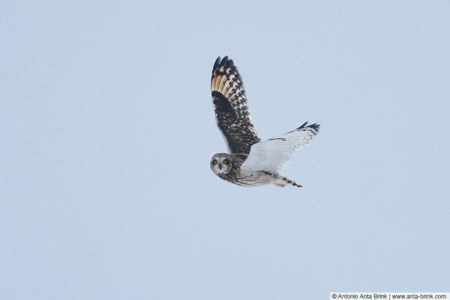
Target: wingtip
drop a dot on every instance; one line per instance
(217, 62)
(314, 126)
(302, 126)
(225, 61)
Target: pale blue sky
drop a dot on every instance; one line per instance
(107, 129)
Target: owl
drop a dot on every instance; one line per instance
(251, 161)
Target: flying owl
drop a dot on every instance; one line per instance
(251, 162)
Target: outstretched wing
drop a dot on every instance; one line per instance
(231, 108)
(273, 154)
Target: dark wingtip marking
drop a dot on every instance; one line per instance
(225, 61)
(314, 126)
(216, 63)
(303, 125)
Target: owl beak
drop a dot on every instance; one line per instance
(220, 166)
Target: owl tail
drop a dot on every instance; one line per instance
(282, 181)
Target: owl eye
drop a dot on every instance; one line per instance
(215, 162)
(225, 161)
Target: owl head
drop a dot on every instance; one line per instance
(221, 163)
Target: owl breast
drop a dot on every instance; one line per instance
(238, 177)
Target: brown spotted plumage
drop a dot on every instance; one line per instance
(230, 101)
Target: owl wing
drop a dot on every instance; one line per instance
(230, 104)
(273, 154)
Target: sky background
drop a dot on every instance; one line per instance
(107, 130)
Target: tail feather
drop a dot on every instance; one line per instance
(285, 180)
